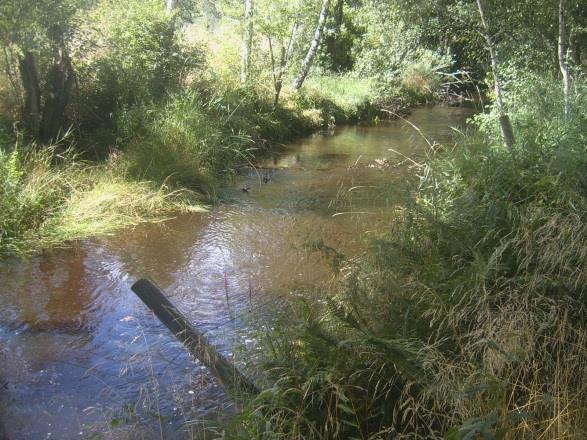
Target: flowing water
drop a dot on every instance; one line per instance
(82, 358)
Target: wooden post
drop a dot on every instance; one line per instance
(233, 381)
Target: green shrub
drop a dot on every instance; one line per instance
(130, 53)
(467, 319)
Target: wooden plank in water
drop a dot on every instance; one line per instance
(233, 381)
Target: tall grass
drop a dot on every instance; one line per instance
(166, 152)
(466, 320)
(352, 96)
(181, 142)
(197, 137)
(50, 197)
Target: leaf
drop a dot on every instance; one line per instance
(346, 409)
(452, 434)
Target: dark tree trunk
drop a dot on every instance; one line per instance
(333, 39)
(32, 94)
(60, 82)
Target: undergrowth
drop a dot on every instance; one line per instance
(157, 158)
(467, 319)
(50, 197)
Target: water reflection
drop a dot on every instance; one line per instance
(81, 356)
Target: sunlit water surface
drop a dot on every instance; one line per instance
(82, 358)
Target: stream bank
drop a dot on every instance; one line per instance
(82, 358)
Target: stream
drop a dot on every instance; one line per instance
(82, 358)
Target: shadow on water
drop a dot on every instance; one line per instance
(80, 356)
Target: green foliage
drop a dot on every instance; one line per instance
(35, 24)
(467, 320)
(393, 53)
(130, 53)
(182, 141)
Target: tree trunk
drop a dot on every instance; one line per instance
(507, 132)
(575, 47)
(169, 5)
(309, 59)
(339, 14)
(60, 82)
(32, 93)
(334, 37)
(562, 53)
(285, 56)
(229, 376)
(247, 40)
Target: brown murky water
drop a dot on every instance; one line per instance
(81, 358)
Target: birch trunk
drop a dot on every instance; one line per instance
(247, 40)
(169, 5)
(309, 59)
(507, 132)
(562, 52)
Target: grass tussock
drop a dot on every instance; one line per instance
(466, 320)
(50, 198)
(343, 98)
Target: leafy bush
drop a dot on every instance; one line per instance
(130, 53)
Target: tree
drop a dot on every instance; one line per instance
(309, 59)
(562, 55)
(42, 29)
(31, 111)
(247, 39)
(60, 80)
(338, 40)
(281, 24)
(505, 125)
(285, 55)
